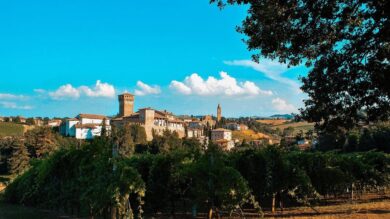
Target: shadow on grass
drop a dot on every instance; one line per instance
(8, 211)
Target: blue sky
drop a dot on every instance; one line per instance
(64, 57)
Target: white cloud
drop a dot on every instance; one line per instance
(226, 85)
(282, 106)
(12, 105)
(7, 96)
(68, 91)
(100, 90)
(271, 69)
(180, 87)
(65, 91)
(144, 89)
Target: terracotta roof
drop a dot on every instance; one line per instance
(89, 126)
(92, 116)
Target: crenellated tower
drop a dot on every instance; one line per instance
(126, 104)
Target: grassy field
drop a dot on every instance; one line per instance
(272, 121)
(11, 129)
(248, 135)
(298, 126)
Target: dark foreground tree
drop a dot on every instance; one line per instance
(346, 44)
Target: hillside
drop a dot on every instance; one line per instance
(11, 129)
(273, 121)
(284, 123)
(298, 126)
(248, 135)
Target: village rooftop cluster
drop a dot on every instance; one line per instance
(204, 128)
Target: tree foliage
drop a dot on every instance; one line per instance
(346, 44)
(14, 157)
(91, 179)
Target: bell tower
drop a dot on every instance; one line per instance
(126, 104)
(219, 113)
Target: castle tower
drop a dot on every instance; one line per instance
(126, 104)
(219, 113)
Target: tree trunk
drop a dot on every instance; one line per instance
(210, 216)
(113, 212)
(91, 216)
(273, 202)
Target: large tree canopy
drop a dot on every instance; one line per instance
(344, 42)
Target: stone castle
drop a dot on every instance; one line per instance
(150, 119)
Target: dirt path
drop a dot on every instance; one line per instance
(376, 209)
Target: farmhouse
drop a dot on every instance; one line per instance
(85, 126)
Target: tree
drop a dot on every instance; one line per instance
(30, 121)
(123, 139)
(346, 44)
(289, 131)
(14, 157)
(16, 119)
(139, 134)
(41, 141)
(219, 184)
(104, 132)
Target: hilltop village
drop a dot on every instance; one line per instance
(225, 132)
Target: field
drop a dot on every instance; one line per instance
(375, 209)
(248, 135)
(298, 126)
(273, 121)
(11, 129)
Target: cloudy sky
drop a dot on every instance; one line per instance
(61, 58)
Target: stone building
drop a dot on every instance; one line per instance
(152, 120)
(126, 104)
(235, 126)
(223, 138)
(208, 121)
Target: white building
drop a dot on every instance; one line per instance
(85, 126)
(222, 137)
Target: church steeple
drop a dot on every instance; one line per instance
(219, 113)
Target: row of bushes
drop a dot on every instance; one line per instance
(95, 180)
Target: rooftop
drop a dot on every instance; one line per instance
(92, 116)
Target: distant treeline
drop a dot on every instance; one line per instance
(107, 177)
